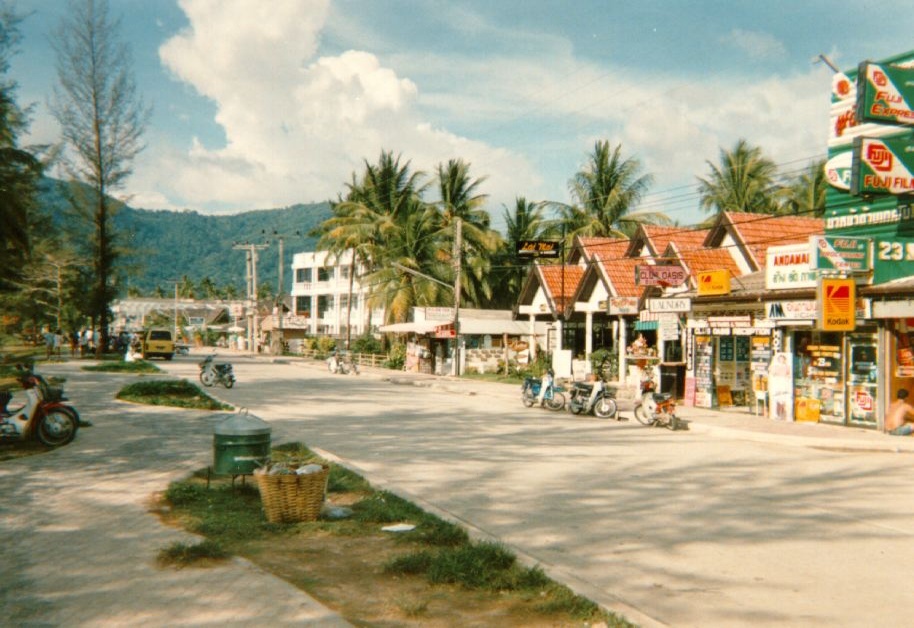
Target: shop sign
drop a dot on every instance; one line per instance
(445, 331)
(669, 305)
(439, 314)
(838, 170)
(669, 327)
(538, 248)
(660, 275)
(883, 166)
(788, 266)
(714, 282)
(893, 309)
(623, 305)
(837, 304)
(841, 253)
(885, 93)
(844, 124)
(791, 310)
(729, 322)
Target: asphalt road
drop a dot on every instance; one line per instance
(668, 528)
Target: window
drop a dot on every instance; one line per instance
(324, 304)
(324, 273)
(303, 306)
(344, 272)
(303, 275)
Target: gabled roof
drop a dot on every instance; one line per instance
(656, 238)
(587, 247)
(754, 233)
(558, 283)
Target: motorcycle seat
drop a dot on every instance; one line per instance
(662, 397)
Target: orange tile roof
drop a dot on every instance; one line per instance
(560, 287)
(603, 246)
(759, 231)
(659, 237)
(620, 272)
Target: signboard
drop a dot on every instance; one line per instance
(837, 304)
(846, 254)
(713, 282)
(439, 313)
(660, 275)
(788, 267)
(623, 305)
(885, 93)
(838, 170)
(538, 249)
(669, 305)
(883, 166)
(796, 311)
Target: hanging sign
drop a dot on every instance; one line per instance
(883, 166)
(885, 93)
(538, 248)
(623, 305)
(713, 282)
(669, 305)
(837, 304)
(788, 266)
(660, 275)
(838, 170)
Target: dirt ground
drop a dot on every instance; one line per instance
(346, 573)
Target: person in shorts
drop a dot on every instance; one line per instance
(899, 414)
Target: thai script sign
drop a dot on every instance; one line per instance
(788, 266)
(660, 275)
(837, 253)
(885, 93)
(883, 166)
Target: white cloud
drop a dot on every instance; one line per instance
(756, 45)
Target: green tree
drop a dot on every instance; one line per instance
(745, 181)
(805, 195)
(525, 221)
(207, 289)
(604, 193)
(102, 121)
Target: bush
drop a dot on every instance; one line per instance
(366, 343)
(396, 357)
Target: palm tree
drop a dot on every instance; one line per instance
(805, 195)
(459, 200)
(526, 222)
(604, 192)
(744, 182)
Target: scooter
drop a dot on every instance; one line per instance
(553, 397)
(52, 422)
(212, 373)
(654, 408)
(592, 398)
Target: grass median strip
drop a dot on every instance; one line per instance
(170, 392)
(433, 574)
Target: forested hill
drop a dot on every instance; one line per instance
(164, 246)
(168, 245)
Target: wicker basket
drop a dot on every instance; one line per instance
(293, 498)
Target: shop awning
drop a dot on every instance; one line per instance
(646, 325)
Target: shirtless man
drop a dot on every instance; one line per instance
(899, 413)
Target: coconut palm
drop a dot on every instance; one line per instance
(805, 195)
(744, 182)
(604, 193)
(525, 221)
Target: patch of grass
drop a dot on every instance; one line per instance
(385, 507)
(188, 554)
(558, 599)
(225, 514)
(412, 608)
(119, 366)
(173, 392)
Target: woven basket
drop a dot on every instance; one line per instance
(293, 498)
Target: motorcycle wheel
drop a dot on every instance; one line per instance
(528, 398)
(575, 406)
(673, 423)
(228, 382)
(557, 402)
(207, 378)
(56, 427)
(644, 417)
(604, 408)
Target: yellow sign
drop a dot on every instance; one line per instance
(837, 304)
(713, 282)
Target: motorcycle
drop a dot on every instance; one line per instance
(342, 364)
(553, 397)
(655, 408)
(592, 398)
(44, 416)
(212, 373)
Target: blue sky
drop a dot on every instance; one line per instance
(265, 104)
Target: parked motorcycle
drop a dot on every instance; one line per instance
(43, 416)
(342, 364)
(553, 398)
(212, 373)
(592, 398)
(655, 408)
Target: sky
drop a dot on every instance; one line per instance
(261, 105)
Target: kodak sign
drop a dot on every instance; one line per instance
(836, 304)
(713, 282)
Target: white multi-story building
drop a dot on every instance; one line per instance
(321, 295)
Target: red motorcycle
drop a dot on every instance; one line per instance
(43, 416)
(655, 408)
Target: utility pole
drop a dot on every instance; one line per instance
(251, 258)
(280, 292)
(458, 246)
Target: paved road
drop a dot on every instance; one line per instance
(713, 527)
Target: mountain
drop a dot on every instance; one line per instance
(164, 246)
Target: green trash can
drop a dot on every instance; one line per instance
(241, 443)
